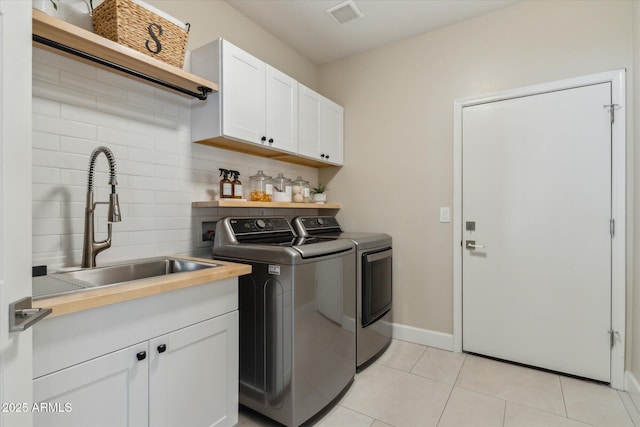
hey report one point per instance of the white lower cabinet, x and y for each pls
(193, 379)
(110, 390)
(170, 360)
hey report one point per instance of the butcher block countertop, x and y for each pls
(86, 299)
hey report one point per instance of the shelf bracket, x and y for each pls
(202, 95)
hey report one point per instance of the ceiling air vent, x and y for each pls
(344, 12)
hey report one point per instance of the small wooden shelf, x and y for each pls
(230, 203)
(264, 151)
(58, 36)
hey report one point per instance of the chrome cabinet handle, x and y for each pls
(471, 244)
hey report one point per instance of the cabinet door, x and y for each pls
(107, 391)
(243, 95)
(193, 378)
(309, 122)
(282, 110)
(332, 131)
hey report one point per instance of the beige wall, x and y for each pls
(211, 19)
(398, 103)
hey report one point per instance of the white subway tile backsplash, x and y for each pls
(45, 175)
(124, 83)
(63, 127)
(92, 86)
(121, 109)
(46, 209)
(136, 196)
(47, 90)
(56, 192)
(119, 135)
(45, 141)
(46, 59)
(46, 74)
(45, 107)
(48, 243)
(128, 167)
(78, 107)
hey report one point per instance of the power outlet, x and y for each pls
(208, 231)
(204, 231)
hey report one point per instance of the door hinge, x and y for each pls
(612, 108)
(612, 227)
(612, 336)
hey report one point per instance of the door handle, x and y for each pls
(471, 244)
(22, 315)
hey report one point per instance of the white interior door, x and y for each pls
(536, 194)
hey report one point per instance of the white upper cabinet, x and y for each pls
(256, 103)
(321, 127)
(243, 100)
(262, 111)
(282, 110)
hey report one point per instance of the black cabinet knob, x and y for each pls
(327, 157)
(322, 155)
(141, 355)
(270, 140)
(162, 348)
(263, 139)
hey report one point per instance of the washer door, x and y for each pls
(376, 285)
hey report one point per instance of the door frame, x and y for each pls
(16, 367)
(618, 202)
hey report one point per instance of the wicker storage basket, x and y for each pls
(135, 24)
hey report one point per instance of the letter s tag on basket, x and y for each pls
(155, 38)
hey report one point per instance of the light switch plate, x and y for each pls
(445, 214)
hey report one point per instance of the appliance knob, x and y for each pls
(260, 224)
(320, 221)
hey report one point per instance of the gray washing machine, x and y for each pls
(374, 283)
(297, 311)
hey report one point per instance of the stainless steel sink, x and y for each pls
(58, 283)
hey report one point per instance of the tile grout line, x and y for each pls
(504, 413)
(626, 408)
(418, 359)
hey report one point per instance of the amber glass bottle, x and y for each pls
(226, 187)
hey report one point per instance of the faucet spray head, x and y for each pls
(114, 208)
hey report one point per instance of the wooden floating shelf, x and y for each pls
(264, 151)
(60, 37)
(265, 205)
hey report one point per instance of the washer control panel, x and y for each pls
(318, 224)
(242, 226)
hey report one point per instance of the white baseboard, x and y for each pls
(423, 336)
(632, 386)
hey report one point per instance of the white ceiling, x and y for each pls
(305, 25)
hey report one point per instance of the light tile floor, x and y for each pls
(417, 386)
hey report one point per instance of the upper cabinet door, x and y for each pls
(332, 131)
(243, 95)
(321, 131)
(282, 110)
(309, 122)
